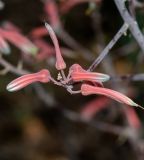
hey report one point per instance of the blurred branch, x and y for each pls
(135, 77)
(133, 26)
(102, 55)
(10, 68)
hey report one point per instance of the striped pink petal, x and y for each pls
(21, 82)
(94, 77)
(79, 74)
(88, 90)
(60, 64)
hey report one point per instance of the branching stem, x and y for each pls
(103, 54)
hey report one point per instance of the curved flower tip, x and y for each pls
(4, 47)
(31, 48)
(60, 64)
(79, 74)
(20, 41)
(21, 82)
(88, 90)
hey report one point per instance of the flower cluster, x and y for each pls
(91, 82)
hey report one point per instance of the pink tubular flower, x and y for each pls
(51, 10)
(79, 74)
(60, 64)
(132, 117)
(21, 82)
(20, 41)
(88, 90)
(93, 107)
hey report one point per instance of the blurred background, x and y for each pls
(45, 122)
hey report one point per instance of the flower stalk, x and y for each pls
(60, 64)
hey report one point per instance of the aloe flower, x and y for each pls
(93, 107)
(60, 64)
(51, 10)
(88, 90)
(79, 74)
(20, 41)
(21, 82)
(132, 117)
